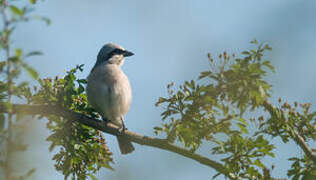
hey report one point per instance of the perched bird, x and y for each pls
(109, 90)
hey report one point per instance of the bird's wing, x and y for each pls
(98, 96)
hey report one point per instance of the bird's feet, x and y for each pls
(122, 129)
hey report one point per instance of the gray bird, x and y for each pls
(109, 90)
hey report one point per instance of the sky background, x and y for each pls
(170, 39)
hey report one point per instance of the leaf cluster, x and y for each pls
(82, 150)
(216, 109)
(12, 64)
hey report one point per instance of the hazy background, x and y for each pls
(170, 39)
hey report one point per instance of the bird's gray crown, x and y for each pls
(109, 50)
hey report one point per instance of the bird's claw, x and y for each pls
(121, 130)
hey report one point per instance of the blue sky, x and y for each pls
(170, 40)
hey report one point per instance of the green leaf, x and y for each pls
(267, 47)
(242, 128)
(161, 100)
(204, 74)
(245, 52)
(80, 89)
(83, 81)
(18, 52)
(243, 121)
(258, 163)
(267, 64)
(16, 10)
(33, 53)
(32, 72)
(33, 1)
(107, 165)
(216, 175)
(41, 18)
(157, 130)
(46, 20)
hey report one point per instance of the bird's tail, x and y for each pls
(125, 145)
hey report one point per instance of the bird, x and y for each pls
(109, 91)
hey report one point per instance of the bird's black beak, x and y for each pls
(127, 53)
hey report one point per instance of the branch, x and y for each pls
(114, 130)
(297, 137)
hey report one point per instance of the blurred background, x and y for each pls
(170, 40)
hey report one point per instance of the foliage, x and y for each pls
(83, 150)
(216, 109)
(11, 87)
(302, 168)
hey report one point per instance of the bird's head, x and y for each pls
(113, 54)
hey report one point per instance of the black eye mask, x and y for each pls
(116, 52)
(103, 57)
(121, 52)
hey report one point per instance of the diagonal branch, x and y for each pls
(297, 137)
(114, 130)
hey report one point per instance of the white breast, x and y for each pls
(109, 91)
